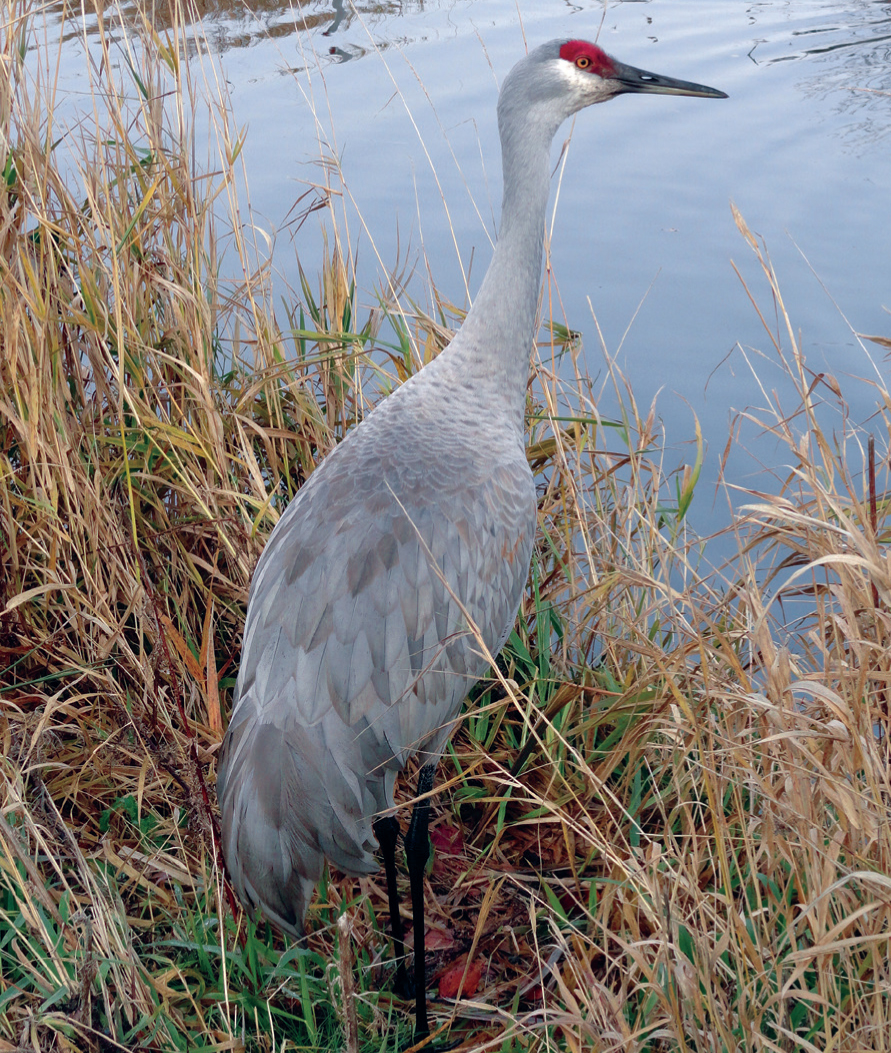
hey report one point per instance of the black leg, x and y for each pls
(386, 830)
(417, 852)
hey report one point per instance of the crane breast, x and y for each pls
(368, 593)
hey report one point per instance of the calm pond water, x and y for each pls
(404, 94)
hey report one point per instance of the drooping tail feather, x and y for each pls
(283, 813)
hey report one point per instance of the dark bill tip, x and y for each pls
(641, 81)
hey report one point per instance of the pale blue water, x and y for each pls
(801, 146)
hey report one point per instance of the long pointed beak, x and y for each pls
(631, 79)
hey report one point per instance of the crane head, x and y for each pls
(562, 77)
(595, 76)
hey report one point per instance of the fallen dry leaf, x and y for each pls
(450, 984)
(448, 840)
(438, 940)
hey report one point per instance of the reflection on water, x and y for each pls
(230, 24)
(863, 26)
(848, 54)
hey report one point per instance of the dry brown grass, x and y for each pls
(664, 824)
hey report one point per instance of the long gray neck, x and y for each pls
(492, 349)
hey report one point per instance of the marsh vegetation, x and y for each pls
(664, 820)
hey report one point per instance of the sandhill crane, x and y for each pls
(406, 550)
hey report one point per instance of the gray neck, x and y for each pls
(492, 349)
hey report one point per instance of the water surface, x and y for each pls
(643, 237)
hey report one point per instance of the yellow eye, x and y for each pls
(583, 62)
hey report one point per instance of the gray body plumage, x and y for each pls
(407, 547)
(359, 647)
